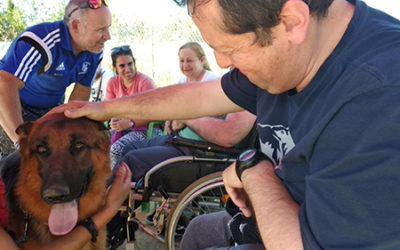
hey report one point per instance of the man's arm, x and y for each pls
(261, 193)
(183, 101)
(79, 93)
(224, 132)
(10, 105)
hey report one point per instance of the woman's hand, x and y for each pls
(175, 125)
(119, 189)
(120, 124)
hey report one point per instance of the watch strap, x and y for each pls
(259, 156)
(89, 225)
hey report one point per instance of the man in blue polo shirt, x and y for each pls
(45, 59)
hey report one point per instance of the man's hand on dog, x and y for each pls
(75, 109)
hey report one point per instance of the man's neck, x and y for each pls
(75, 47)
(325, 34)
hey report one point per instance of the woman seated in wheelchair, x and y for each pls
(128, 81)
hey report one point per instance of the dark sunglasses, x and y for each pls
(180, 3)
(124, 48)
(93, 4)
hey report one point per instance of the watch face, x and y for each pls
(247, 155)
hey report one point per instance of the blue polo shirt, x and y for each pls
(62, 67)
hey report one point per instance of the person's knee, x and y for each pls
(136, 163)
(195, 223)
(115, 148)
(208, 226)
(201, 224)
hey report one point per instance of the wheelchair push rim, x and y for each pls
(192, 202)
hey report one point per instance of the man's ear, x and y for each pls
(295, 16)
(75, 26)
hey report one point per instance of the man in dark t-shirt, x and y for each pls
(323, 79)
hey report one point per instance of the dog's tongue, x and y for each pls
(63, 218)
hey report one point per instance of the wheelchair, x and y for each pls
(183, 187)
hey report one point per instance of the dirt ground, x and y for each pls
(143, 240)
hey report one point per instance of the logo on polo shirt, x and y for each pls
(85, 68)
(61, 67)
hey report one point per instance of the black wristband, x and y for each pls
(248, 159)
(89, 225)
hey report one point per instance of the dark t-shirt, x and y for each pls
(336, 144)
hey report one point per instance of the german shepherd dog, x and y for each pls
(61, 172)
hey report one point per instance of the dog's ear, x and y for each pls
(24, 129)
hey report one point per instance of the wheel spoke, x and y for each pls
(201, 197)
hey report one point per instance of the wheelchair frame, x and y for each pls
(174, 203)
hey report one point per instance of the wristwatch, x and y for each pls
(248, 159)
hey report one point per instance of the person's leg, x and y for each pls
(117, 148)
(208, 231)
(6, 145)
(155, 141)
(28, 114)
(211, 232)
(143, 159)
(32, 114)
(141, 156)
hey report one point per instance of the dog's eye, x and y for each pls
(41, 149)
(78, 146)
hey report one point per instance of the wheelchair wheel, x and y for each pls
(206, 195)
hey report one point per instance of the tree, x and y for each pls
(11, 22)
(41, 11)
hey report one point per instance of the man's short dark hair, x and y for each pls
(258, 16)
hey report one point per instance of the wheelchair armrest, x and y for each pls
(207, 146)
(151, 126)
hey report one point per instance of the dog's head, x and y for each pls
(64, 168)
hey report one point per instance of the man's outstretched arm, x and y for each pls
(183, 101)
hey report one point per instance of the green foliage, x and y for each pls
(179, 29)
(11, 22)
(134, 29)
(40, 11)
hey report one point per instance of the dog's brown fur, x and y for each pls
(55, 149)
